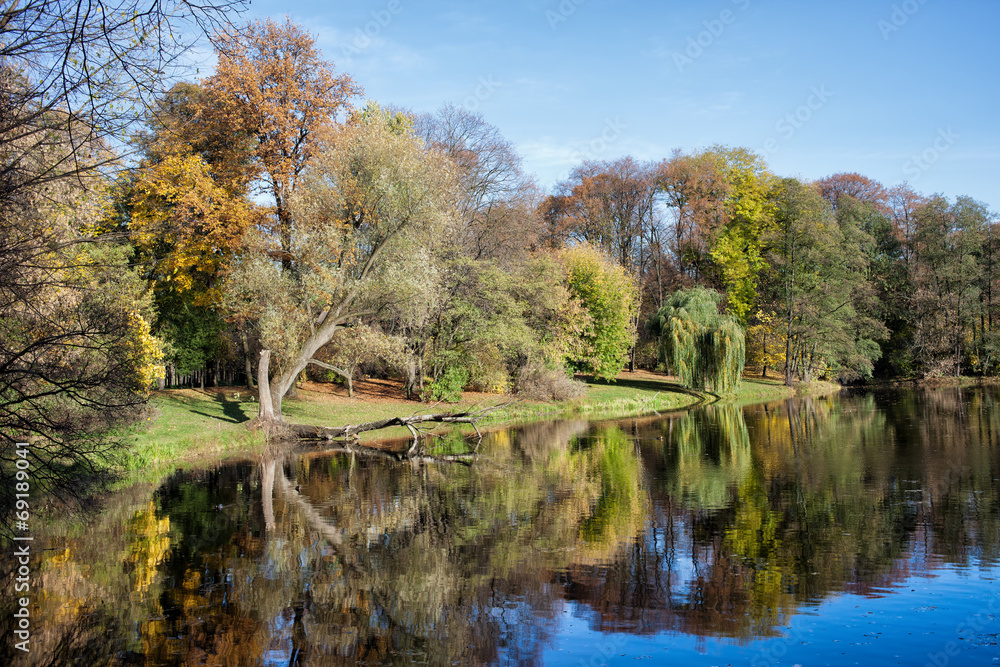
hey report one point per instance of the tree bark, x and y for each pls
(266, 494)
(266, 404)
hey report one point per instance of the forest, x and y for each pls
(268, 223)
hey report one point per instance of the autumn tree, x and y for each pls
(185, 207)
(369, 209)
(693, 189)
(852, 186)
(272, 84)
(76, 353)
(611, 297)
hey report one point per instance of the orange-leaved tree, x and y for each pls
(272, 83)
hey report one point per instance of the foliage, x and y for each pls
(76, 354)
(368, 212)
(737, 248)
(272, 84)
(539, 382)
(611, 297)
(821, 286)
(704, 348)
(448, 387)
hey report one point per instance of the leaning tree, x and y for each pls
(705, 348)
(368, 210)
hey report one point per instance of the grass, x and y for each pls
(193, 428)
(188, 428)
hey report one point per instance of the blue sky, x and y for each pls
(898, 90)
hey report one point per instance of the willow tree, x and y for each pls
(704, 347)
(369, 208)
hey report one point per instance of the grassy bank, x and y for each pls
(191, 428)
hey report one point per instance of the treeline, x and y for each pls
(274, 227)
(415, 246)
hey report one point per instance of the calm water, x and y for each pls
(852, 530)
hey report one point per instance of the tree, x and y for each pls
(820, 285)
(611, 297)
(736, 249)
(272, 84)
(356, 344)
(76, 355)
(185, 208)
(75, 351)
(497, 200)
(948, 248)
(74, 75)
(368, 212)
(705, 348)
(610, 205)
(694, 190)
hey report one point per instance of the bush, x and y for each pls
(447, 388)
(537, 382)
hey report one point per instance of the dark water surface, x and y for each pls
(854, 530)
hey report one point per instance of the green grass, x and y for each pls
(190, 428)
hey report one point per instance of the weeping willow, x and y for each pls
(705, 348)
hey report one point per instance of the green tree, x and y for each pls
(705, 348)
(611, 297)
(737, 247)
(947, 280)
(820, 284)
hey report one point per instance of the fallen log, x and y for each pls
(351, 431)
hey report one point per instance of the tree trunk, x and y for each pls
(246, 358)
(266, 405)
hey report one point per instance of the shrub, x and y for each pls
(448, 387)
(538, 382)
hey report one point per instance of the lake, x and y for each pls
(856, 529)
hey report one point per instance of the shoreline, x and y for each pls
(195, 428)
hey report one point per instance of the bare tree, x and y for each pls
(497, 200)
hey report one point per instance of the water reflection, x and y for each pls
(721, 523)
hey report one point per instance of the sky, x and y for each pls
(903, 90)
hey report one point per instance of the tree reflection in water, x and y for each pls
(723, 522)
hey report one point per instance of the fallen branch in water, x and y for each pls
(351, 431)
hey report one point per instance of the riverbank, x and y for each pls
(193, 428)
